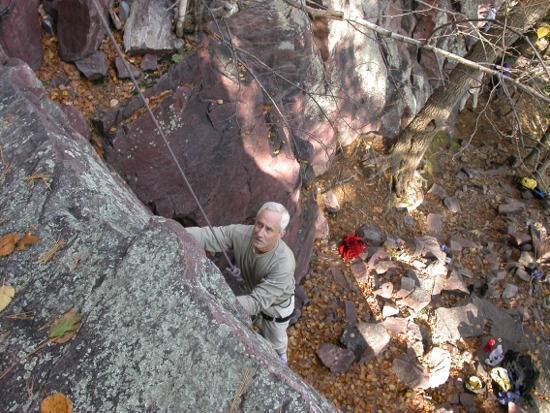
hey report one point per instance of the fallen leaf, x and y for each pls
(543, 31)
(8, 243)
(56, 403)
(65, 327)
(28, 239)
(6, 294)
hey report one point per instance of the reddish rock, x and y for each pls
(79, 28)
(22, 21)
(385, 290)
(149, 62)
(77, 121)
(360, 271)
(337, 359)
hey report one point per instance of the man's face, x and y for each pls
(267, 231)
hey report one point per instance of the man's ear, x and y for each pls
(283, 233)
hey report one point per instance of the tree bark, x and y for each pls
(539, 153)
(416, 138)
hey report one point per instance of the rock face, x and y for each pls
(160, 324)
(149, 28)
(23, 20)
(254, 132)
(79, 29)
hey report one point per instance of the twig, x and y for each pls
(48, 255)
(39, 176)
(243, 386)
(25, 315)
(451, 56)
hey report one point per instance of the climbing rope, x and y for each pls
(232, 268)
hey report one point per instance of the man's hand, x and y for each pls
(235, 273)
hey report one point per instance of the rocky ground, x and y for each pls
(421, 345)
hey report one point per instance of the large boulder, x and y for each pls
(161, 331)
(79, 28)
(149, 28)
(20, 31)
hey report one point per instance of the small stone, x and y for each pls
(511, 208)
(372, 234)
(428, 247)
(123, 11)
(359, 271)
(332, 204)
(520, 238)
(389, 310)
(352, 339)
(409, 372)
(337, 359)
(322, 229)
(527, 195)
(336, 273)
(395, 325)
(510, 291)
(438, 191)
(407, 287)
(452, 204)
(384, 291)
(122, 72)
(149, 62)
(522, 274)
(467, 400)
(453, 324)
(113, 103)
(351, 313)
(383, 267)
(453, 283)
(376, 337)
(526, 258)
(408, 220)
(418, 299)
(434, 223)
(94, 67)
(380, 254)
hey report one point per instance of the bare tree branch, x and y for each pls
(337, 15)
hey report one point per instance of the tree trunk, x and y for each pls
(416, 138)
(539, 153)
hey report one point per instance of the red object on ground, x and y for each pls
(489, 346)
(351, 246)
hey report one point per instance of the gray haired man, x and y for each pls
(267, 266)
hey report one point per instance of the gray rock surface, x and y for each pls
(94, 66)
(149, 28)
(122, 72)
(161, 329)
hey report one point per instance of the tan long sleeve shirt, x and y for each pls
(268, 277)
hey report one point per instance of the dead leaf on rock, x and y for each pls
(64, 328)
(8, 243)
(56, 403)
(6, 295)
(28, 239)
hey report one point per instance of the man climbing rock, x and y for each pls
(267, 267)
